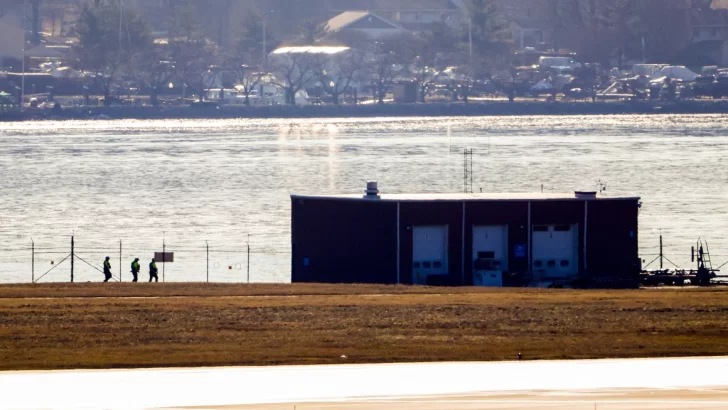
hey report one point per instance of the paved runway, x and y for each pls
(680, 384)
(648, 399)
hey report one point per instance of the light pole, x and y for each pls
(22, 79)
(265, 39)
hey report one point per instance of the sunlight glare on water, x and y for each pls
(185, 182)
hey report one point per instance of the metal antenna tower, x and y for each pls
(468, 170)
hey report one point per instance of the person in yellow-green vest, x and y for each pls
(107, 269)
(135, 269)
(153, 271)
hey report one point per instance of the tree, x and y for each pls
(156, 70)
(194, 58)
(310, 32)
(489, 31)
(601, 29)
(429, 51)
(664, 28)
(256, 41)
(387, 57)
(340, 70)
(35, 21)
(103, 49)
(294, 70)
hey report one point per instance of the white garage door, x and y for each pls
(555, 251)
(491, 242)
(429, 252)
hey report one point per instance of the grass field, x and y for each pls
(139, 325)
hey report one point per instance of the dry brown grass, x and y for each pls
(61, 327)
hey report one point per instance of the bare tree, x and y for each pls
(429, 53)
(340, 70)
(100, 50)
(387, 57)
(194, 57)
(247, 78)
(601, 29)
(154, 69)
(294, 70)
(195, 65)
(664, 27)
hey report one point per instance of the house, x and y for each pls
(577, 239)
(708, 42)
(365, 22)
(412, 15)
(531, 32)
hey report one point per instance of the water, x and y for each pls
(183, 183)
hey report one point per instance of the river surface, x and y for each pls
(182, 185)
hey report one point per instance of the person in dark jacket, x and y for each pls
(135, 269)
(153, 271)
(107, 269)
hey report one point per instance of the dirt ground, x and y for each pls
(153, 325)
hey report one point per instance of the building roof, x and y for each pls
(709, 17)
(309, 50)
(462, 197)
(395, 5)
(348, 18)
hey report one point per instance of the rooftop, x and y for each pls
(468, 197)
(309, 50)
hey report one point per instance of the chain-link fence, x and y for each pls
(202, 261)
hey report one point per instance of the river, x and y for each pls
(184, 185)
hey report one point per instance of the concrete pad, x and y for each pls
(681, 383)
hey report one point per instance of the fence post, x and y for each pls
(207, 247)
(32, 261)
(119, 260)
(248, 258)
(72, 250)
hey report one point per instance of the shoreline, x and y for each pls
(473, 109)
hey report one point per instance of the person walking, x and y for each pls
(153, 271)
(135, 269)
(107, 269)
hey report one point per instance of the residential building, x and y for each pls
(365, 22)
(413, 15)
(708, 43)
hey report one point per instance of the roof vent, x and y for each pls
(372, 190)
(586, 194)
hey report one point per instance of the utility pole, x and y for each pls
(248, 258)
(660, 251)
(32, 263)
(72, 251)
(470, 39)
(119, 260)
(207, 246)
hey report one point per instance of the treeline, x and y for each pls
(117, 49)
